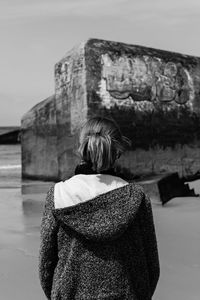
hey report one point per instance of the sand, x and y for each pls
(178, 233)
(178, 227)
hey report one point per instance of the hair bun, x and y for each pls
(94, 134)
(101, 143)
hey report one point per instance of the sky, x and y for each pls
(36, 34)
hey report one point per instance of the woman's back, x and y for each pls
(97, 232)
(106, 247)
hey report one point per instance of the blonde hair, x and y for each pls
(101, 143)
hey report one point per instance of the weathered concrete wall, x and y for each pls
(153, 95)
(71, 107)
(38, 139)
(184, 159)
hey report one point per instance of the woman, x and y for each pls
(97, 233)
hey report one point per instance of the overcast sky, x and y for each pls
(35, 34)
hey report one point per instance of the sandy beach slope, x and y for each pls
(178, 232)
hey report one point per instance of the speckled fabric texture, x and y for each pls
(104, 248)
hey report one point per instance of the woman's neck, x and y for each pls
(86, 168)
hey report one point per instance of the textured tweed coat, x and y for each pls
(103, 248)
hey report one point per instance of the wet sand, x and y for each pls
(20, 217)
(177, 227)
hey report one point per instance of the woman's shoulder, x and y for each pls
(136, 187)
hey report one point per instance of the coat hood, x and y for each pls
(104, 217)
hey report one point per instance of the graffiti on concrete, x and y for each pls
(62, 75)
(145, 78)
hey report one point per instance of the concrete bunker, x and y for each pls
(154, 95)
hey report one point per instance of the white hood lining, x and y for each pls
(81, 188)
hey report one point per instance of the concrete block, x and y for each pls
(39, 142)
(154, 96)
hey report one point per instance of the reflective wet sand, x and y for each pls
(178, 232)
(20, 217)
